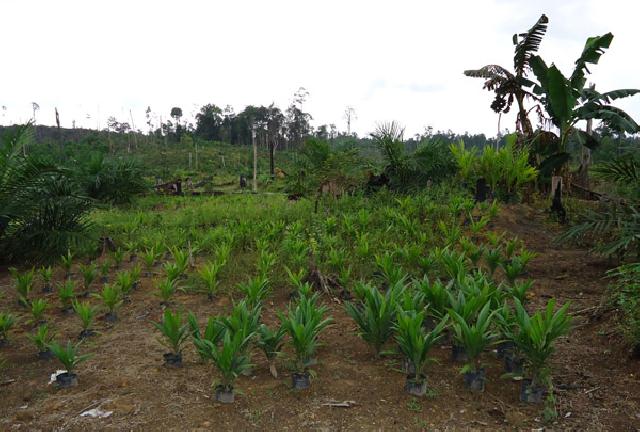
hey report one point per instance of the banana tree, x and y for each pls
(509, 86)
(567, 101)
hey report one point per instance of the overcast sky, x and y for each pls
(390, 60)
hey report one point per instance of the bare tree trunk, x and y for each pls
(255, 159)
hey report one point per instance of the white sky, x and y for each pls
(391, 60)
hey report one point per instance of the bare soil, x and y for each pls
(598, 386)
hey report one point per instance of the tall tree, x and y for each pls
(509, 86)
(349, 115)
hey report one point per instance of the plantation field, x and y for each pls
(348, 248)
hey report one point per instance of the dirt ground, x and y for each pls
(598, 386)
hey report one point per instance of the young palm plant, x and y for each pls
(230, 359)
(209, 275)
(474, 337)
(66, 294)
(118, 257)
(24, 284)
(175, 334)
(87, 314)
(165, 290)
(7, 321)
(414, 342)
(149, 257)
(89, 273)
(213, 332)
(46, 273)
(38, 308)
(375, 315)
(255, 290)
(535, 337)
(67, 263)
(270, 341)
(69, 357)
(41, 338)
(111, 298)
(304, 322)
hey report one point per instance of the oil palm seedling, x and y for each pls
(209, 275)
(41, 338)
(255, 290)
(506, 327)
(7, 321)
(135, 271)
(388, 271)
(165, 290)
(87, 313)
(453, 263)
(70, 358)
(173, 271)
(213, 331)
(231, 360)
(38, 308)
(243, 318)
(117, 257)
(124, 282)
(375, 314)
(181, 259)
(89, 273)
(493, 258)
(471, 250)
(24, 284)
(535, 337)
(304, 321)
(519, 290)
(436, 295)
(474, 336)
(67, 263)
(105, 267)
(66, 294)
(466, 306)
(111, 298)
(513, 269)
(150, 256)
(175, 334)
(414, 342)
(46, 274)
(270, 341)
(266, 262)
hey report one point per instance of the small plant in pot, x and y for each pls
(213, 332)
(415, 342)
(165, 290)
(243, 319)
(135, 273)
(69, 357)
(124, 283)
(209, 275)
(118, 257)
(230, 359)
(67, 263)
(172, 271)
(175, 334)
(38, 308)
(46, 274)
(7, 321)
(493, 258)
(89, 273)
(466, 306)
(255, 291)
(24, 284)
(105, 267)
(506, 348)
(304, 322)
(41, 338)
(474, 337)
(86, 313)
(149, 257)
(375, 315)
(270, 342)
(535, 337)
(66, 294)
(111, 297)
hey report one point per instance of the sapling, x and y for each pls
(474, 337)
(67, 262)
(304, 322)
(172, 271)
(209, 275)
(535, 337)
(270, 342)
(38, 308)
(375, 315)
(7, 321)
(86, 313)
(135, 273)
(89, 273)
(244, 318)
(118, 257)
(46, 273)
(66, 294)
(230, 359)
(519, 290)
(435, 294)
(266, 262)
(493, 258)
(105, 267)
(124, 283)
(149, 257)
(414, 342)
(175, 334)
(41, 338)
(165, 291)
(181, 259)
(513, 269)
(69, 357)
(111, 298)
(213, 332)
(255, 290)
(388, 270)
(24, 284)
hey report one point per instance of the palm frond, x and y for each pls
(528, 43)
